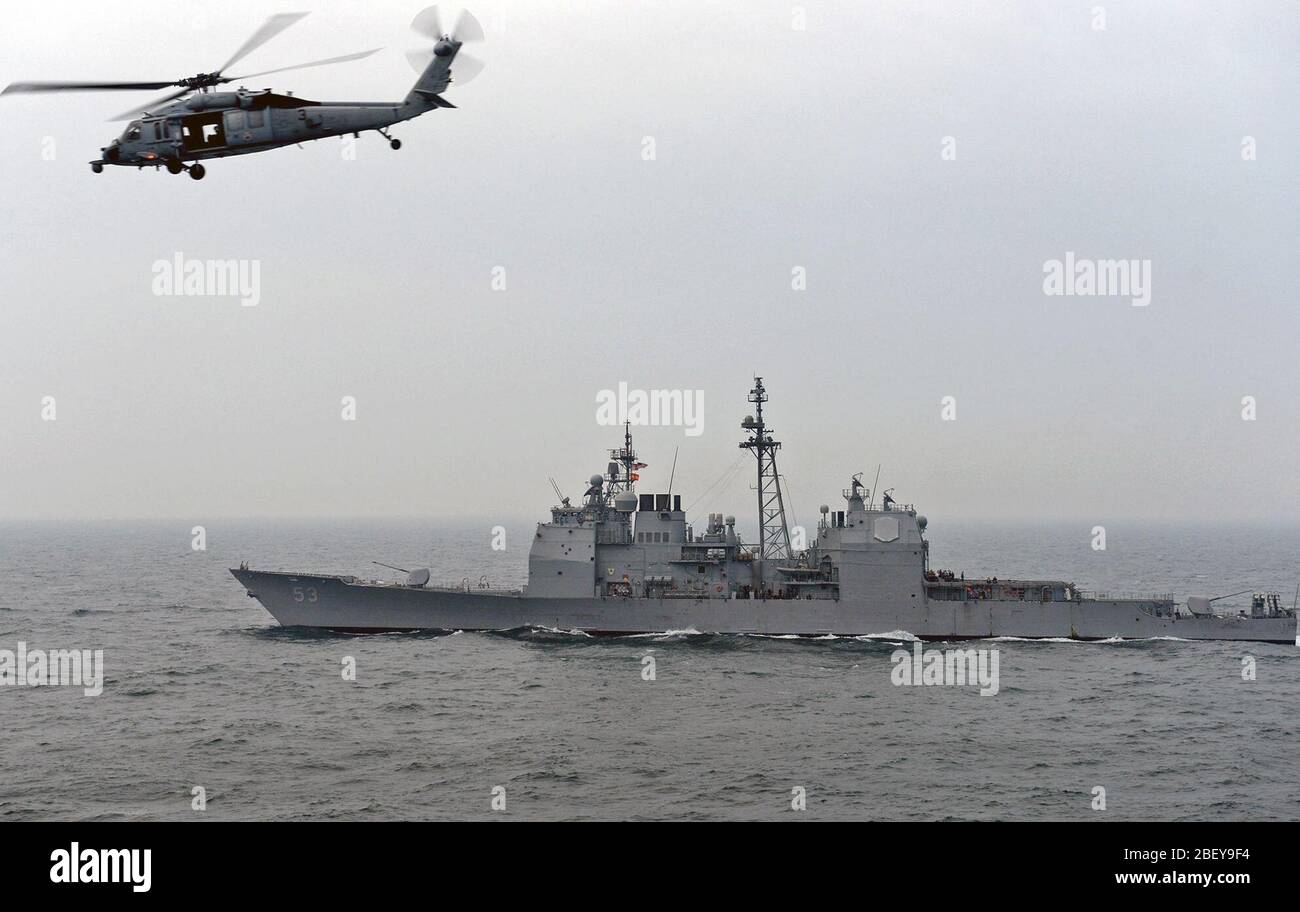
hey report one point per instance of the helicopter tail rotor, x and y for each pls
(459, 67)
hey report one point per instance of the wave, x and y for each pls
(665, 634)
(893, 635)
(1106, 641)
(560, 630)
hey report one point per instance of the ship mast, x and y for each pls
(773, 533)
(627, 458)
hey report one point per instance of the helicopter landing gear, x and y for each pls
(394, 144)
(174, 166)
(97, 167)
(197, 172)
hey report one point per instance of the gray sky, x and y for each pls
(774, 148)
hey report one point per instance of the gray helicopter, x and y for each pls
(170, 131)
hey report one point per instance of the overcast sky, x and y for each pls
(774, 148)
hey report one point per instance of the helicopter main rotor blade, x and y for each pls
(303, 66)
(151, 106)
(270, 28)
(83, 86)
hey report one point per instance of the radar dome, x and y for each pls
(597, 480)
(921, 522)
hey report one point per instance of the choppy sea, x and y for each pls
(203, 691)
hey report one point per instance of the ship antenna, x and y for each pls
(773, 532)
(871, 505)
(628, 457)
(671, 476)
(558, 493)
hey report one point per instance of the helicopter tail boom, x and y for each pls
(436, 76)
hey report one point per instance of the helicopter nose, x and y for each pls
(112, 152)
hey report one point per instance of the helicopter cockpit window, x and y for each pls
(132, 132)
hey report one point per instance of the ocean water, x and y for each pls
(203, 690)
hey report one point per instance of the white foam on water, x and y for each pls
(690, 631)
(573, 632)
(890, 635)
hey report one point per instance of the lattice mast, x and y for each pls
(624, 465)
(773, 533)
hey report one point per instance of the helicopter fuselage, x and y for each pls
(220, 124)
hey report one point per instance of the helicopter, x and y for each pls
(174, 131)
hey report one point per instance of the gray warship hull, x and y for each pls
(349, 604)
(624, 562)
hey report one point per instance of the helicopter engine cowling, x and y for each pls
(206, 100)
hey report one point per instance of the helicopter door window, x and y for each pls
(234, 121)
(256, 119)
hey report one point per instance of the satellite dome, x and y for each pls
(921, 521)
(597, 480)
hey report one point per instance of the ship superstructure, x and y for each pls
(622, 562)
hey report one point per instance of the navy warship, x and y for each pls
(623, 562)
